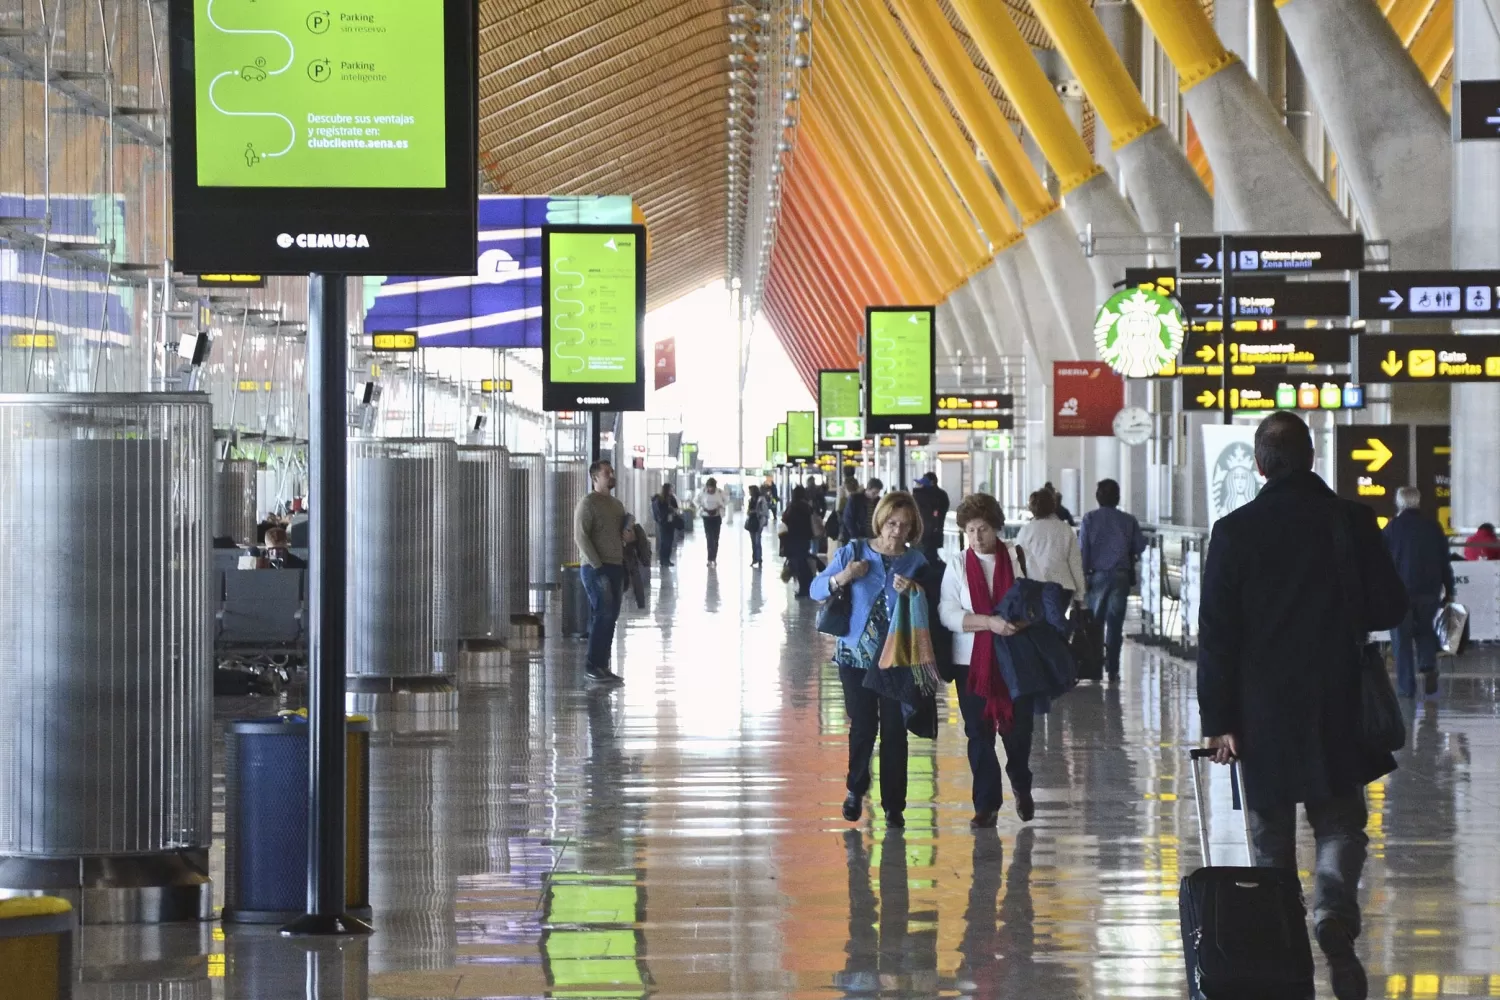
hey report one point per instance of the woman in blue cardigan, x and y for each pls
(874, 570)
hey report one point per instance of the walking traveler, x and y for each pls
(933, 501)
(757, 512)
(711, 503)
(874, 571)
(1110, 541)
(1063, 514)
(859, 509)
(1483, 544)
(1420, 550)
(847, 493)
(1293, 582)
(1050, 546)
(796, 540)
(600, 533)
(668, 517)
(973, 584)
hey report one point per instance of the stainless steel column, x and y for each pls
(518, 538)
(106, 652)
(570, 481)
(482, 510)
(403, 616)
(535, 516)
(236, 492)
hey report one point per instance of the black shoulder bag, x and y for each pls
(834, 615)
(1382, 726)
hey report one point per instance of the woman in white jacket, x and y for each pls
(1051, 546)
(973, 584)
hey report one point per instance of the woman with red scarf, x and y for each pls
(973, 584)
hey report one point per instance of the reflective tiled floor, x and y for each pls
(681, 837)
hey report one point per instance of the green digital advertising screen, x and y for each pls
(801, 436)
(292, 95)
(839, 414)
(592, 317)
(780, 450)
(902, 386)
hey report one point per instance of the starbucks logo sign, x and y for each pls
(1138, 331)
(1235, 479)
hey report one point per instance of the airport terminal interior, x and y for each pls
(476, 476)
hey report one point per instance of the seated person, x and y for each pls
(278, 552)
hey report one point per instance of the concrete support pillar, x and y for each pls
(1387, 126)
(1250, 28)
(959, 328)
(1162, 184)
(1261, 179)
(1476, 243)
(1066, 276)
(1097, 202)
(1122, 26)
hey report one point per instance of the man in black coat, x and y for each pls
(932, 501)
(1278, 681)
(1419, 548)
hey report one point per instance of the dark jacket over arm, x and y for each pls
(1277, 649)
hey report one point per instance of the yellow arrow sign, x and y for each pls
(1391, 365)
(1206, 353)
(1376, 456)
(1208, 399)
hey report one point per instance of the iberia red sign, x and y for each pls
(666, 362)
(1086, 395)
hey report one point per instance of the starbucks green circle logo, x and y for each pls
(1138, 331)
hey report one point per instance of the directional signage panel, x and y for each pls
(976, 413)
(965, 404)
(1425, 294)
(1267, 298)
(1435, 471)
(1374, 461)
(1269, 389)
(1261, 253)
(1478, 109)
(1433, 357)
(1278, 347)
(839, 419)
(991, 420)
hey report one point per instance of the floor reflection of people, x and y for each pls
(883, 953)
(603, 845)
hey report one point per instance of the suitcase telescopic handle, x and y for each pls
(1237, 785)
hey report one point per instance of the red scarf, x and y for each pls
(984, 675)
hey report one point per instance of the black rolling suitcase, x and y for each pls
(1244, 930)
(1086, 643)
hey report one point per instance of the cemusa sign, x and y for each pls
(314, 241)
(1138, 331)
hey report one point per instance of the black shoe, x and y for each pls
(853, 807)
(604, 677)
(894, 819)
(1344, 969)
(1429, 682)
(985, 819)
(1025, 806)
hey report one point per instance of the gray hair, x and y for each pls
(1408, 498)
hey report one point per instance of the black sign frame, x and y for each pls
(823, 443)
(263, 230)
(1340, 252)
(1375, 357)
(625, 397)
(1478, 109)
(1391, 294)
(916, 423)
(1349, 469)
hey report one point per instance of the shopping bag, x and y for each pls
(1449, 624)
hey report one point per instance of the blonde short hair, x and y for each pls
(902, 501)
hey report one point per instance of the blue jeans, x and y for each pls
(1416, 631)
(666, 533)
(1107, 594)
(1338, 826)
(755, 548)
(604, 587)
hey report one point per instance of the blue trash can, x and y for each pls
(265, 819)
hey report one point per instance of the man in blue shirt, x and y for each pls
(1111, 541)
(1420, 551)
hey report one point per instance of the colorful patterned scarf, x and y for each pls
(908, 642)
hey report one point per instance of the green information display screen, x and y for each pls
(298, 96)
(593, 316)
(778, 454)
(801, 441)
(900, 363)
(839, 414)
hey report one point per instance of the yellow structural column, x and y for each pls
(873, 213)
(865, 138)
(1081, 39)
(930, 184)
(1015, 65)
(946, 57)
(1406, 16)
(915, 89)
(1432, 48)
(1184, 31)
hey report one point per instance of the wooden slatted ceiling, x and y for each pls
(615, 97)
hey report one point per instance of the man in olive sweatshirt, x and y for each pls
(599, 530)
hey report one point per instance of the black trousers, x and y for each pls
(871, 715)
(711, 526)
(983, 761)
